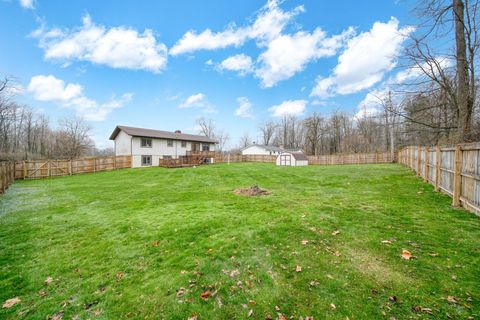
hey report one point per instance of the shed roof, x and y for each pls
(297, 155)
(151, 133)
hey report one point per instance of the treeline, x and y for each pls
(432, 99)
(25, 134)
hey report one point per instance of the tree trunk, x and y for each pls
(465, 107)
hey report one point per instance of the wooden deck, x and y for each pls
(191, 159)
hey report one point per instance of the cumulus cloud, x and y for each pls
(288, 108)
(27, 4)
(269, 23)
(244, 108)
(199, 101)
(51, 89)
(116, 47)
(240, 63)
(365, 60)
(287, 55)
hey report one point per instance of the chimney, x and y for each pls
(178, 131)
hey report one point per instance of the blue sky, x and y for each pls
(163, 64)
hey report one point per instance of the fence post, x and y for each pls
(438, 165)
(94, 164)
(70, 167)
(419, 161)
(24, 170)
(457, 179)
(425, 168)
(114, 163)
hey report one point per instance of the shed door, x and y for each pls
(286, 160)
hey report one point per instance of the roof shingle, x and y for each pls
(150, 133)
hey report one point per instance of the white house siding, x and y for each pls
(256, 150)
(123, 144)
(159, 149)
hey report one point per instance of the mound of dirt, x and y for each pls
(252, 191)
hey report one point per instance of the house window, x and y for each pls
(146, 160)
(184, 144)
(169, 143)
(205, 147)
(146, 143)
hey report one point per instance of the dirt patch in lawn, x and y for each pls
(252, 191)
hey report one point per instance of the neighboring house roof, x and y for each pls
(297, 155)
(268, 148)
(150, 133)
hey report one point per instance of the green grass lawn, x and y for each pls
(146, 243)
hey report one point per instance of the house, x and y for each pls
(293, 159)
(148, 146)
(263, 150)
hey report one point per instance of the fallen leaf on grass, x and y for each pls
(119, 276)
(304, 242)
(193, 317)
(155, 243)
(48, 281)
(392, 298)
(298, 268)
(386, 241)
(433, 254)
(422, 309)
(309, 318)
(42, 293)
(407, 255)
(181, 292)
(334, 233)
(97, 312)
(205, 295)
(281, 316)
(334, 307)
(11, 302)
(250, 313)
(314, 283)
(452, 299)
(58, 315)
(277, 308)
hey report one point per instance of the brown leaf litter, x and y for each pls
(252, 191)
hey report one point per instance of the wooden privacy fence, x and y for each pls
(356, 158)
(7, 175)
(453, 170)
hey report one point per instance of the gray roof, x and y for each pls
(268, 148)
(150, 133)
(298, 155)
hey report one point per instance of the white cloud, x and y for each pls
(288, 108)
(240, 63)
(370, 105)
(269, 23)
(288, 54)
(198, 100)
(51, 89)
(367, 57)
(27, 4)
(116, 47)
(244, 108)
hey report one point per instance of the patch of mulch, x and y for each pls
(252, 191)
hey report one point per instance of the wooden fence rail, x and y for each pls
(452, 170)
(356, 158)
(36, 169)
(7, 175)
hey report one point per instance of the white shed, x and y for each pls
(292, 159)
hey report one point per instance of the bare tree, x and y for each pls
(458, 85)
(245, 140)
(206, 127)
(73, 138)
(268, 130)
